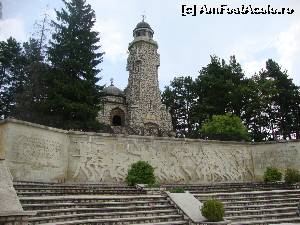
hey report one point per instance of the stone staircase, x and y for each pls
(94, 204)
(258, 207)
(53, 189)
(245, 203)
(232, 187)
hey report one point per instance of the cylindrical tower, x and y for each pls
(146, 113)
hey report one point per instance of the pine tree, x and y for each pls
(220, 89)
(179, 98)
(12, 75)
(283, 100)
(73, 93)
(30, 101)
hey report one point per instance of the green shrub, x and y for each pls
(177, 190)
(226, 127)
(213, 210)
(291, 176)
(272, 174)
(140, 172)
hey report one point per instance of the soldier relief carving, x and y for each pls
(109, 162)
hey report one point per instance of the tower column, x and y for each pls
(146, 113)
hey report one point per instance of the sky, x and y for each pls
(185, 43)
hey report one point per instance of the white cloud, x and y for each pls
(252, 67)
(12, 27)
(288, 46)
(112, 40)
(284, 47)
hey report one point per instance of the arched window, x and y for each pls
(117, 116)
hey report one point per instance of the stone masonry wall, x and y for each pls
(34, 152)
(39, 153)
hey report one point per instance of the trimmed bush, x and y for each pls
(291, 176)
(272, 174)
(140, 172)
(213, 210)
(177, 190)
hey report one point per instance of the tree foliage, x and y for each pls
(268, 103)
(73, 92)
(12, 79)
(54, 85)
(226, 127)
(180, 97)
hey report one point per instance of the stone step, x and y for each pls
(103, 215)
(80, 192)
(262, 202)
(232, 184)
(71, 186)
(127, 220)
(225, 190)
(165, 223)
(89, 198)
(37, 183)
(260, 211)
(261, 217)
(269, 221)
(73, 189)
(233, 187)
(250, 193)
(93, 204)
(250, 198)
(261, 206)
(68, 211)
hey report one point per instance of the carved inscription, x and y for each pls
(36, 151)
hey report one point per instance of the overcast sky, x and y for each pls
(185, 43)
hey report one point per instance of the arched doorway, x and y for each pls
(117, 116)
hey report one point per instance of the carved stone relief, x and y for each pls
(109, 161)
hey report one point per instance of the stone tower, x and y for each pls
(146, 113)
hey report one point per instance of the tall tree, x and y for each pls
(220, 89)
(284, 99)
(12, 75)
(73, 93)
(179, 98)
(29, 102)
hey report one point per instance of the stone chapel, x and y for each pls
(138, 110)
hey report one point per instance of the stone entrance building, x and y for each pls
(138, 109)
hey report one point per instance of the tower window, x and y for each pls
(143, 33)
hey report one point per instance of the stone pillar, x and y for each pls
(11, 211)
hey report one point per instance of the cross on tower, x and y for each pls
(111, 81)
(143, 17)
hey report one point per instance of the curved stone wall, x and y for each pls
(38, 153)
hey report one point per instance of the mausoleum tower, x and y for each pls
(146, 113)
